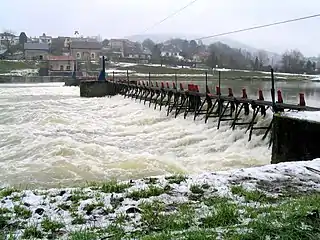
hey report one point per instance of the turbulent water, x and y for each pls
(51, 136)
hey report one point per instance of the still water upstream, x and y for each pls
(50, 136)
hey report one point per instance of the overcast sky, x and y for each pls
(118, 18)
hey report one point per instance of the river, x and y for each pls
(49, 136)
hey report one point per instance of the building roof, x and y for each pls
(36, 46)
(61, 58)
(85, 45)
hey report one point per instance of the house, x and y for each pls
(36, 51)
(61, 64)
(45, 39)
(8, 39)
(133, 53)
(111, 54)
(85, 50)
(68, 40)
(200, 57)
(170, 51)
(146, 54)
(121, 45)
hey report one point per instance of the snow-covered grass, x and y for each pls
(13, 67)
(8, 66)
(21, 72)
(304, 115)
(165, 71)
(275, 201)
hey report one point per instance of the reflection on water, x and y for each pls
(290, 89)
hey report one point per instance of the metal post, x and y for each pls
(113, 76)
(206, 82)
(176, 80)
(149, 79)
(128, 76)
(273, 91)
(219, 83)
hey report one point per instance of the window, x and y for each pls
(51, 67)
(92, 55)
(41, 57)
(78, 55)
(61, 67)
(68, 68)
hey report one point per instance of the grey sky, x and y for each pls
(118, 18)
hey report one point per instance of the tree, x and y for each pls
(212, 60)
(8, 41)
(228, 57)
(293, 62)
(105, 42)
(193, 47)
(23, 38)
(156, 53)
(314, 66)
(185, 48)
(148, 43)
(256, 65)
(263, 58)
(309, 68)
(200, 43)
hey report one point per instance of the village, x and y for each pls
(64, 55)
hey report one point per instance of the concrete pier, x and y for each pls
(97, 88)
(295, 137)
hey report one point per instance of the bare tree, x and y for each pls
(263, 57)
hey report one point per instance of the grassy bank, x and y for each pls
(231, 207)
(7, 66)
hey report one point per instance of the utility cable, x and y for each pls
(260, 26)
(171, 15)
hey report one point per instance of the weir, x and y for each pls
(191, 101)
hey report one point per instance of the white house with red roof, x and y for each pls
(61, 63)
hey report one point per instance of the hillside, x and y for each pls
(232, 43)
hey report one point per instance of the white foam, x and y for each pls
(48, 134)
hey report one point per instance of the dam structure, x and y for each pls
(189, 100)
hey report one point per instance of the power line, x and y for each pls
(171, 15)
(260, 26)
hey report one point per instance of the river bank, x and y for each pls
(135, 70)
(251, 203)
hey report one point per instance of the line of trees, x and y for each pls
(224, 56)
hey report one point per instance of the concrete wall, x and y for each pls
(97, 89)
(294, 139)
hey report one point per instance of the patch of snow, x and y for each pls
(31, 199)
(304, 115)
(21, 72)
